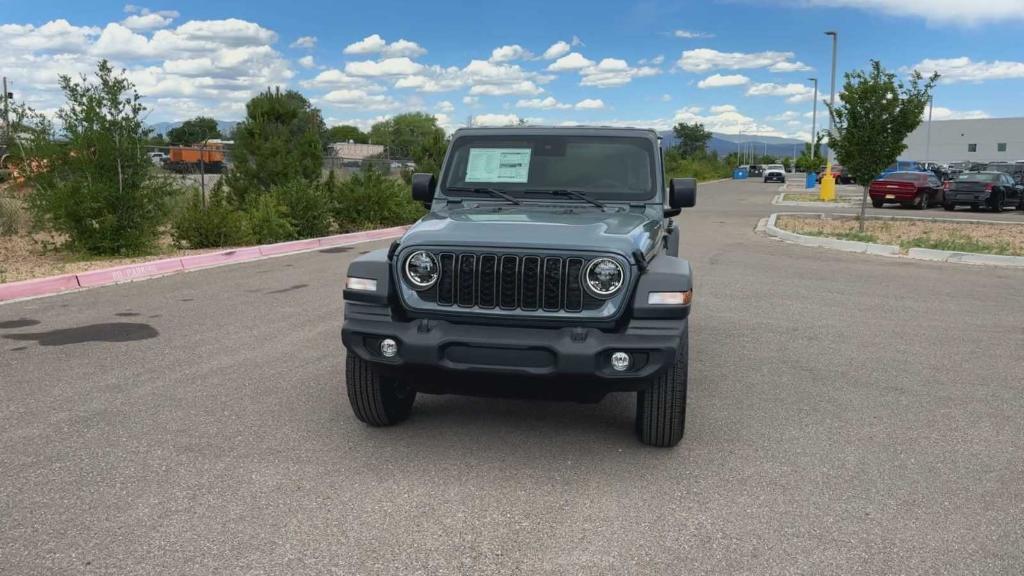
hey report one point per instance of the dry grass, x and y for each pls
(789, 197)
(1007, 239)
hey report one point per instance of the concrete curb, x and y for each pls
(143, 271)
(926, 254)
(777, 200)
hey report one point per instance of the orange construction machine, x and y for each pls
(202, 157)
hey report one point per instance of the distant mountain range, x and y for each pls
(226, 127)
(725, 144)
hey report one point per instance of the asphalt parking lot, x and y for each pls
(847, 414)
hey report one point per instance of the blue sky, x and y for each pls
(735, 65)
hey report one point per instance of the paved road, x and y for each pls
(848, 414)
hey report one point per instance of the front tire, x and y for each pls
(661, 409)
(377, 399)
(921, 202)
(949, 207)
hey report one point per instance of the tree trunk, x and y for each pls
(863, 207)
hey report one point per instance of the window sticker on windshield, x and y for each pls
(498, 165)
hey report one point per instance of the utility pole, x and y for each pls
(7, 116)
(928, 140)
(828, 183)
(814, 116)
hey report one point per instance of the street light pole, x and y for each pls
(828, 182)
(814, 117)
(928, 138)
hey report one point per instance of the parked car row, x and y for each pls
(990, 189)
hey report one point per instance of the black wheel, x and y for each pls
(377, 399)
(921, 202)
(949, 206)
(975, 207)
(877, 202)
(661, 409)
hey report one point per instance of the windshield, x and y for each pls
(978, 177)
(606, 167)
(778, 167)
(905, 176)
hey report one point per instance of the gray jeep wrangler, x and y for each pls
(548, 265)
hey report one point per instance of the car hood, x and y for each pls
(553, 227)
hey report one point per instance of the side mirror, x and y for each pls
(682, 193)
(423, 186)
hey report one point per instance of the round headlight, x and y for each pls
(421, 270)
(603, 277)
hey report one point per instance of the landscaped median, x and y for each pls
(151, 269)
(938, 239)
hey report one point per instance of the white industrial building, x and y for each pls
(979, 140)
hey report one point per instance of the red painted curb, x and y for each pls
(37, 286)
(286, 247)
(129, 272)
(217, 258)
(119, 274)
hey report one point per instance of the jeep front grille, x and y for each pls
(511, 282)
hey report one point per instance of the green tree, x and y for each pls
(344, 133)
(96, 186)
(875, 115)
(194, 131)
(279, 141)
(693, 139)
(406, 135)
(810, 159)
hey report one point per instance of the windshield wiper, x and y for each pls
(571, 193)
(491, 191)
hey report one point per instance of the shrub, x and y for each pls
(267, 222)
(306, 207)
(12, 217)
(699, 167)
(96, 185)
(369, 199)
(214, 225)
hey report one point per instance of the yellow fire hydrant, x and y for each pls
(828, 185)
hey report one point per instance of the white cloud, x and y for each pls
(470, 100)
(719, 81)
(706, 59)
(689, 34)
(726, 119)
(590, 104)
(548, 103)
(666, 97)
(656, 61)
(229, 32)
(557, 50)
(953, 12)
(526, 87)
(509, 53)
(150, 20)
(573, 61)
(787, 116)
(722, 109)
(789, 67)
(387, 67)
(117, 41)
(614, 72)
(375, 44)
(793, 92)
(942, 113)
(335, 78)
(445, 106)
(964, 69)
(495, 120)
(345, 98)
(53, 37)
(307, 42)
(307, 62)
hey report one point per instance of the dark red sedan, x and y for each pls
(911, 189)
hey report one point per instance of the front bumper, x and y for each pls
(888, 196)
(774, 178)
(574, 352)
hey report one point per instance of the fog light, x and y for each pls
(620, 361)
(388, 348)
(361, 284)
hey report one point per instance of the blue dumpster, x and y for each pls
(739, 174)
(812, 180)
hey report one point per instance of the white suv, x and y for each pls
(775, 173)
